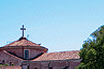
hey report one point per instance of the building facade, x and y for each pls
(29, 55)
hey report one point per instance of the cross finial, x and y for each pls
(23, 29)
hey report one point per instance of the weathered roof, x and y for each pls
(22, 42)
(59, 56)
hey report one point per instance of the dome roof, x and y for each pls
(23, 41)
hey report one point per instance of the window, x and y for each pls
(26, 54)
(3, 62)
(50, 68)
(11, 64)
(66, 67)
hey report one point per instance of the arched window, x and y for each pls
(26, 54)
(3, 62)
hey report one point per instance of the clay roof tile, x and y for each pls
(59, 56)
(22, 42)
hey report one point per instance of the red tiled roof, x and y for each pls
(59, 56)
(22, 42)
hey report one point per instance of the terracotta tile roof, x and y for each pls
(22, 42)
(59, 56)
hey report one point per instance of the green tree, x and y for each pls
(92, 52)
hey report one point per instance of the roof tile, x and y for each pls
(59, 56)
(22, 42)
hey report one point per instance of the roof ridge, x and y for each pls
(65, 51)
(22, 38)
(24, 43)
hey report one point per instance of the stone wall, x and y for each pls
(19, 52)
(74, 64)
(7, 58)
(57, 64)
(34, 53)
(10, 67)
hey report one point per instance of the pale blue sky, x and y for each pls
(59, 25)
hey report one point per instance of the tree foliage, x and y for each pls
(92, 52)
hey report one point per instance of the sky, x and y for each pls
(59, 25)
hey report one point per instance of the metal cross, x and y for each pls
(23, 29)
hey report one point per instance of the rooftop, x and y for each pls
(59, 56)
(23, 41)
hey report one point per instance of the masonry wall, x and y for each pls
(74, 64)
(34, 53)
(16, 51)
(7, 58)
(20, 52)
(10, 67)
(58, 64)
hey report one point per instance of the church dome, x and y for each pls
(23, 41)
(25, 49)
